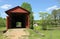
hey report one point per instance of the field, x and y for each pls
(48, 34)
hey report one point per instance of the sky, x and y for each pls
(37, 6)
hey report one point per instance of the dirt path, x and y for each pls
(16, 34)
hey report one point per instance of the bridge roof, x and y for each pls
(17, 9)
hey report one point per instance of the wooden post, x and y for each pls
(27, 21)
(8, 22)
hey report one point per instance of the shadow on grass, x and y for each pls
(3, 31)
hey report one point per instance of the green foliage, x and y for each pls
(27, 6)
(2, 22)
(50, 20)
(37, 28)
(43, 16)
(18, 24)
(31, 20)
(56, 17)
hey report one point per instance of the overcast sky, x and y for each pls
(37, 6)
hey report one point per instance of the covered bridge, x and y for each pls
(17, 14)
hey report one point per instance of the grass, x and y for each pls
(49, 34)
(1, 36)
(1, 33)
(2, 28)
(33, 35)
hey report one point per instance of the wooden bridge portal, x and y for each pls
(17, 14)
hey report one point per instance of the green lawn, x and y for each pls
(49, 34)
(2, 28)
(1, 33)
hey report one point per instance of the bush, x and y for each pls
(37, 28)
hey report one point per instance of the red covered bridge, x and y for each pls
(17, 14)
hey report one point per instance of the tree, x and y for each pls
(49, 20)
(56, 16)
(54, 13)
(43, 16)
(27, 6)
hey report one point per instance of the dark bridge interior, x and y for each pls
(18, 18)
